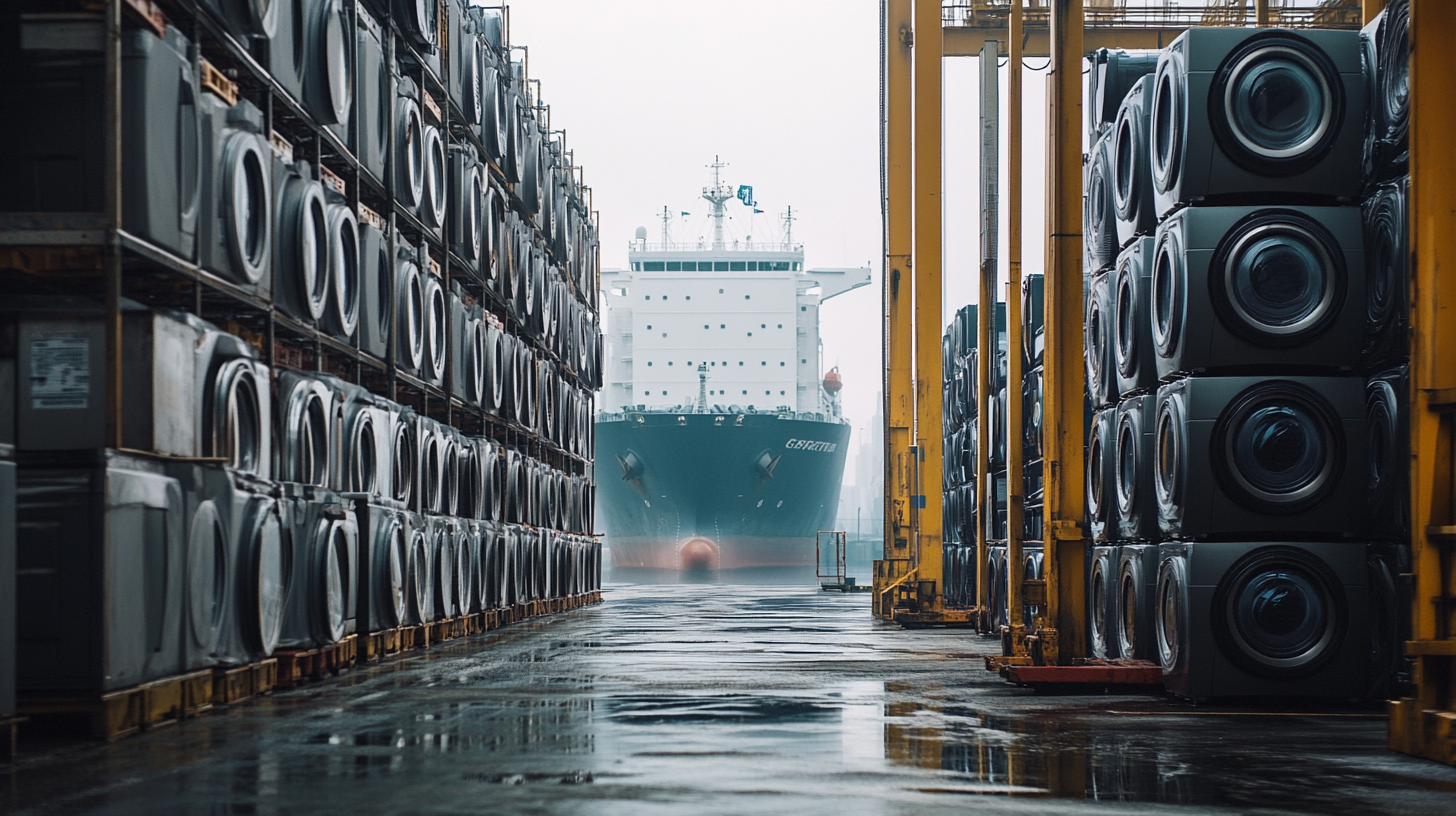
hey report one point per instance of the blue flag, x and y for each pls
(687, 213)
(756, 211)
(745, 194)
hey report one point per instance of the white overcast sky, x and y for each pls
(786, 92)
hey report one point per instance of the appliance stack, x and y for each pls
(339, 401)
(1245, 352)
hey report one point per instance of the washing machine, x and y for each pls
(513, 484)
(409, 145)
(1385, 51)
(245, 20)
(489, 583)
(1101, 479)
(1099, 212)
(436, 337)
(328, 80)
(1097, 343)
(1135, 511)
(1387, 490)
(996, 427)
(465, 62)
(467, 348)
(364, 441)
(997, 573)
(288, 47)
(322, 543)
(474, 534)
(1135, 596)
(449, 470)
(1245, 456)
(1102, 602)
(1132, 176)
(1033, 319)
(470, 503)
(409, 312)
(467, 188)
(1264, 618)
(376, 286)
(466, 548)
(1112, 74)
(233, 402)
(373, 96)
(1132, 330)
(1258, 289)
(341, 307)
(1033, 389)
(308, 426)
(90, 624)
(403, 452)
(494, 118)
(492, 480)
(161, 164)
(383, 564)
(1248, 112)
(532, 171)
(493, 208)
(1387, 276)
(514, 168)
(1033, 569)
(444, 560)
(419, 575)
(301, 247)
(419, 24)
(1390, 619)
(436, 179)
(235, 221)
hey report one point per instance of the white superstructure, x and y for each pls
(749, 312)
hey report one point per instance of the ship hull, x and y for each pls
(717, 492)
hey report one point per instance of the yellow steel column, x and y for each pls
(925, 266)
(898, 214)
(1063, 635)
(1014, 644)
(1370, 8)
(985, 358)
(1426, 725)
(1261, 13)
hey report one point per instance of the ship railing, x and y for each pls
(705, 246)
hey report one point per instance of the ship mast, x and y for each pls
(716, 195)
(789, 220)
(702, 389)
(666, 217)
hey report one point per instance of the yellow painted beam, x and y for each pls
(966, 41)
(1065, 634)
(985, 358)
(899, 234)
(1426, 725)
(926, 267)
(1369, 9)
(1016, 569)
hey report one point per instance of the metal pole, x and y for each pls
(1369, 9)
(1014, 643)
(899, 233)
(111, 135)
(926, 266)
(1261, 13)
(1064, 636)
(985, 328)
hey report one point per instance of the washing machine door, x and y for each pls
(391, 554)
(410, 337)
(333, 552)
(410, 142)
(1278, 279)
(1172, 614)
(1280, 101)
(265, 574)
(1279, 612)
(304, 230)
(475, 357)
(234, 410)
(436, 178)
(342, 308)
(1127, 469)
(1130, 583)
(332, 69)
(464, 590)
(361, 452)
(493, 104)
(246, 205)
(1170, 454)
(1170, 120)
(308, 434)
(207, 578)
(435, 337)
(443, 556)
(1278, 448)
(403, 461)
(419, 575)
(1099, 591)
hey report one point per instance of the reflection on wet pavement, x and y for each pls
(715, 699)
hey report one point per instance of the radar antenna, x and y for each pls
(716, 195)
(666, 218)
(789, 219)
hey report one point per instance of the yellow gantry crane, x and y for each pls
(908, 584)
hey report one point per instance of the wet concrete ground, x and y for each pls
(720, 699)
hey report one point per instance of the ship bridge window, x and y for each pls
(781, 365)
(669, 362)
(737, 266)
(720, 291)
(649, 362)
(652, 266)
(781, 325)
(664, 297)
(687, 297)
(647, 297)
(745, 297)
(674, 266)
(740, 362)
(720, 266)
(803, 308)
(722, 325)
(765, 325)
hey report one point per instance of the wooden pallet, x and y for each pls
(244, 682)
(1089, 675)
(9, 733)
(118, 714)
(376, 645)
(299, 666)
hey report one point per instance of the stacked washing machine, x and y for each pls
(1237, 367)
(958, 481)
(388, 420)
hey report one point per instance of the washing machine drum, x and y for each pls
(307, 436)
(245, 201)
(419, 576)
(363, 451)
(402, 463)
(494, 115)
(434, 327)
(1099, 591)
(1279, 612)
(264, 581)
(1171, 619)
(235, 427)
(1278, 447)
(1278, 278)
(410, 141)
(304, 233)
(207, 577)
(342, 308)
(391, 560)
(331, 571)
(331, 72)
(444, 558)
(435, 178)
(1277, 103)
(411, 313)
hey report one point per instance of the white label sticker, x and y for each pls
(60, 372)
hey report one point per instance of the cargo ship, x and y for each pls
(721, 446)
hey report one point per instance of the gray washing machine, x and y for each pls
(1135, 599)
(467, 193)
(419, 23)
(997, 574)
(328, 78)
(301, 246)
(435, 329)
(419, 571)
(1241, 112)
(495, 117)
(7, 580)
(1218, 308)
(445, 562)
(289, 46)
(1113, 72)
(246, 20)
(465, 62)
(235, 409)
(87, 624)
(322, 542)
(514, 168)
(436, 179)
(373, 95)
(409, 145)
(1102, 602)
(496, 363)
(363, 433)
(376, 287)
(514, 510)
(494, 250)
(1135, 511)
(409, 312)
(307, 428)
(341, 307)
(1097, 343)
(383, 564)
(449, 470)
(1390, 619)
(1099, 212)
(1132, 175)
(491, 482)
(263, 573)
(467, 348)
(1385, 50)
(1264, 618)
(1132, 331)
(1387, 276)
(1387, 414)
(433, 475)
(494, 547)
(161, 168)
(1102, 475)
(398, 423)
(235, 221)
(1243, 456)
